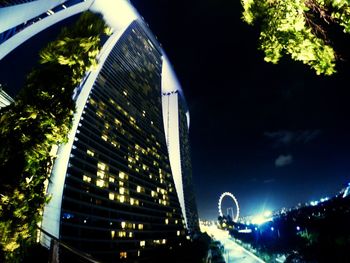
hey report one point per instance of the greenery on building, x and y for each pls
(299, 29)
(40, 119)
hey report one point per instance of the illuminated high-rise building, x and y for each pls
(122, 185)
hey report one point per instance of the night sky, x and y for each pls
(273, 135)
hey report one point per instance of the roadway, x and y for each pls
(234, 253)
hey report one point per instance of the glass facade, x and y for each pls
(186, 168)
(119, 199)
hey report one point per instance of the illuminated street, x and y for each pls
(233, 252)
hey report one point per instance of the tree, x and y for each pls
(299, 29)
(40, 118)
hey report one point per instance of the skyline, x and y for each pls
(244, 119)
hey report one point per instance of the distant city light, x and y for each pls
(260, 219)
(324, 199)
(314, 203)
(298, 228)
(267, 213)
(245, 231)
(272, 228)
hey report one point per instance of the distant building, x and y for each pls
(122, 185)
(5, 99)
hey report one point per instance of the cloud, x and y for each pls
(269, 181)
(283, 160)
(285, 137)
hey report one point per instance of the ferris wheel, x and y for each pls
(235, 219)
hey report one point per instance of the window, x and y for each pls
(122, 234)
(100, 183)
(102, 166)
(123, 254)
(90, 153)
(122, 175)
(86, 179)
(104, 137)
(121, 198)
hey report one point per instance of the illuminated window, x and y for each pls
(115, 144)
(140, 189)
(178, 232)
(100, 174)
(99, 114)
(138, 253)
(121, 198)
(140, 226)
(123, 254)
(130, 234)
(92, 102)
(90, 153)
(176, 221)
(111, 196)
(142, 243)
(102, 166)
(121, 190)
(122, 234)
(112, 233)
(104, 137)
(117, 122)
(100, 183)
(123, 224)
(111, 179)
(132, 201)
(107, 125)
(122, 175)
(86, 179)
(163, 241)
(121, 183)
(166, 221)
(153, 193)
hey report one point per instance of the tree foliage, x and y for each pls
(299, 29)
(40, 118)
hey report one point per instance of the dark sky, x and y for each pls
(273, 135)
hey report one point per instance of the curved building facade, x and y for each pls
(122, 185)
